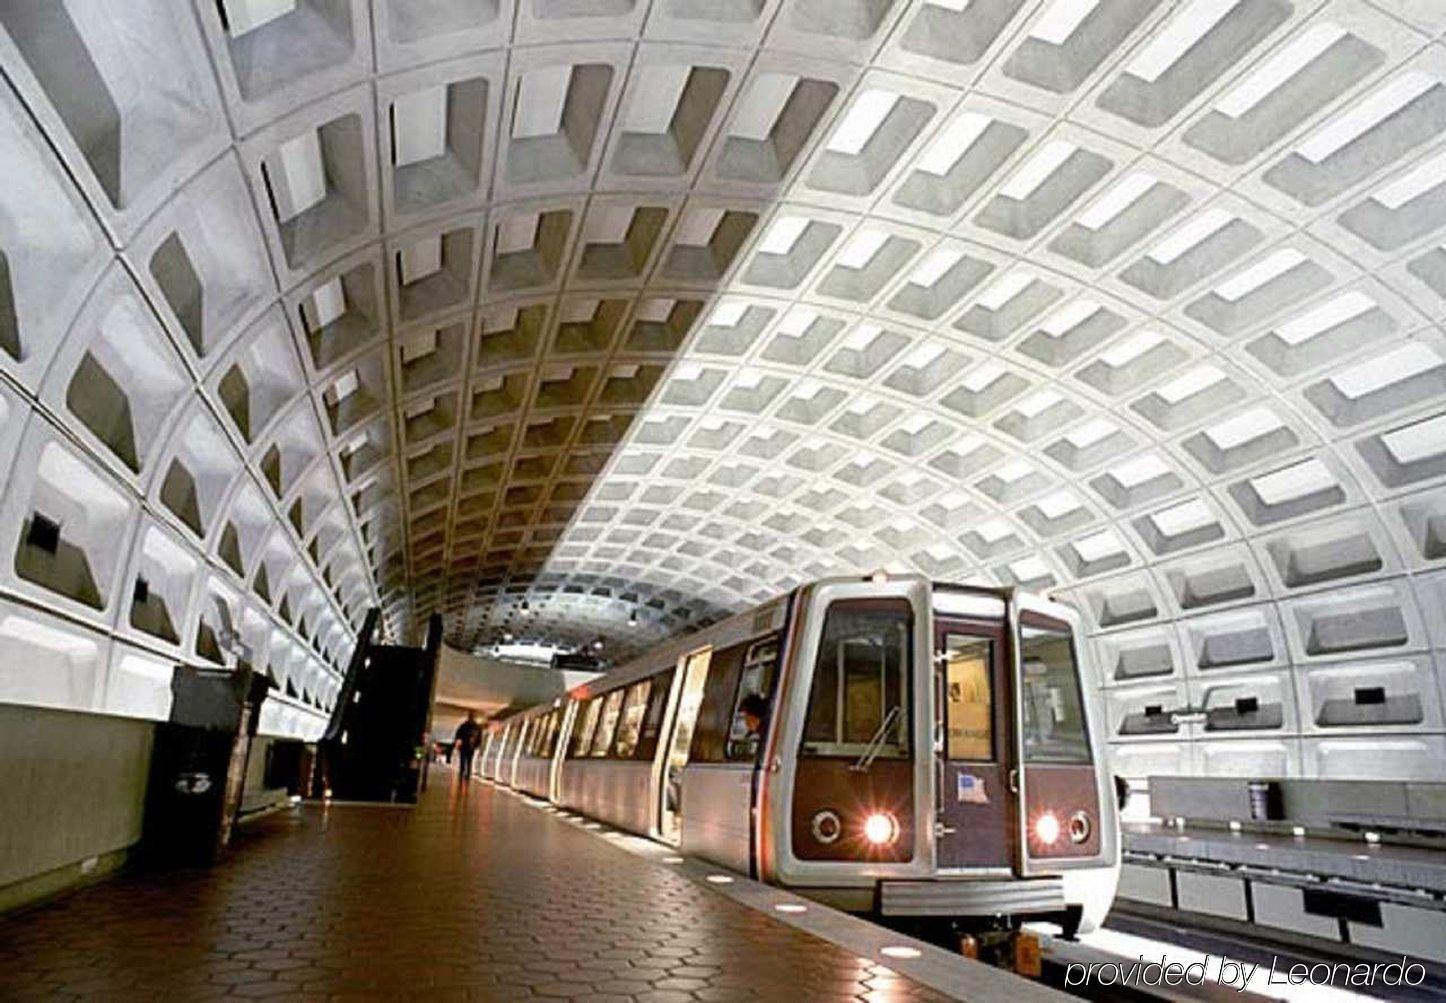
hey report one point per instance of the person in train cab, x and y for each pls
(467, 739)
(753, 709)
(750, 717)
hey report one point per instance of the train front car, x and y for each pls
(933, 759)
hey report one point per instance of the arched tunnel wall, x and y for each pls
(650, 311)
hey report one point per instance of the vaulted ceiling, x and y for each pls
(580, 319)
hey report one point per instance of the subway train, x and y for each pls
(917, 751)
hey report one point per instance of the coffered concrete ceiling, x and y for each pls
(643, 311)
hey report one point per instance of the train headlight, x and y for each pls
(1079, 827)
(1046, 828)
(881, 829)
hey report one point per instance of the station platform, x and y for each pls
(474, 894)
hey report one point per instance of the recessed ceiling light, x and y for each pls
(1429, 174)
(1333, 313)
(861, 121)
(783, 234)
(935, 266)
(1416, 442)
(1008, 286)
(956, 140)
(1037, 170)
(1385, 369)
(1187, 385)
(1099, 546)
(1264, 271)
(1068, 318)
(1195, 232)
(1059, 21)
(862, 247)
(1364, 116)
(1187, 27)
(1119, 198)
(1244, 427)
(1296, 56)
(1296, 481)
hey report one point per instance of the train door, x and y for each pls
(695, 673)
(1065, 806)
(495, 767)
(975, 805)
(524, 732)
(557, 752)
(481, 768)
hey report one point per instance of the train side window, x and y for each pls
(760, 665)
(603, 737)
(710, 732)
(549, 735)
(858, 704)
(630, 722)
(587, 724)
(653, 717)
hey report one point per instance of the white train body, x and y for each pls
(926, 750)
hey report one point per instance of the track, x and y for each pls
(1132, 934)
(1246, 943)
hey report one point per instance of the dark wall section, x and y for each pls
(72, 794)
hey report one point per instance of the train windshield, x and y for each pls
(859, 703)
(1052, 708)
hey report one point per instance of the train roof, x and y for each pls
(746, 624)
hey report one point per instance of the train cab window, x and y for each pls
(1051, 710)
(647, 746)
(630, 722)
(755, 687)
(859, 700)
(603, 737)
(587, 724)
(715, 710)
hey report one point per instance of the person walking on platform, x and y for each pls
(467, 739)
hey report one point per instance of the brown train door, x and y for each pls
(976, 811)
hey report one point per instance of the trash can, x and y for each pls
(198, 765)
